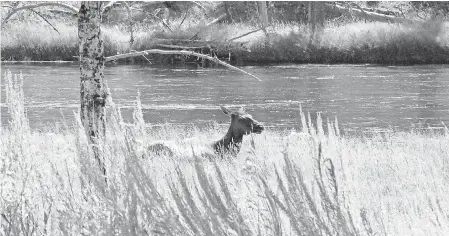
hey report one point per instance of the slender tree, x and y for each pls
(316, 17)
(263, 13)
(93, 90)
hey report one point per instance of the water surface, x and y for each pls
(363, 97)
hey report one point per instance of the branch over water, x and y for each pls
(176, 52)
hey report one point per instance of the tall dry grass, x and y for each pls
(313, 182)
(354, 42)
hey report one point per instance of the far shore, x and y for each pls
(353, 43)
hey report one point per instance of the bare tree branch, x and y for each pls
(15, 10)
(210, 23)
(201, 6)
(37, 13)
(358, 7)
(161, 20)
(175, 52)
(109, 6)
(185, 15)
(216, 20)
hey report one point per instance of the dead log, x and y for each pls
(372, 16)
(177, 46)
(175, 52)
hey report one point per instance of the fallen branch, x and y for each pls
(358, 7)
(174, 52)
(62, 12)
(216, 20)
(143, 57)
(184, 40)
(374, 16)
(243, 35)
(380, 11)
(15, 10)
(177, 47)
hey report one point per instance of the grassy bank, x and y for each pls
(307, 183)
(350, 43)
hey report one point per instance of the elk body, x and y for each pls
(242, 124)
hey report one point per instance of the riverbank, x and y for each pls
(284, 183)
(378, 43)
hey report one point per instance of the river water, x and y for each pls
(362, 97)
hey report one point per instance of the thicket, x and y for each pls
(344, 38)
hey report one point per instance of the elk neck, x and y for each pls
(231, 141)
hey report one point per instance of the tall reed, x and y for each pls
(354, 42)
(313, 182)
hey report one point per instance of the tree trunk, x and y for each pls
(320, 13)
(228, 14)
(311, 18)
(316, 11)
(263, 16)
(93, 92)
(166, 16)
(263, 13)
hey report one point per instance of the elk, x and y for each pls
(242, 124)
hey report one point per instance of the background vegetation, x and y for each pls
(345, 37)
(315, 182)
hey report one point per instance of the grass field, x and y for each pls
(286, 42)
(312, 182)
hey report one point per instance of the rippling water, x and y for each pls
(363, 97)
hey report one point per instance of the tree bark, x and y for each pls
(316, 15)
(263, 16)
(93, 92)
(228, 14)
(263, 13)
(310, 17)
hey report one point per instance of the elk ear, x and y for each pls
(225, 110)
